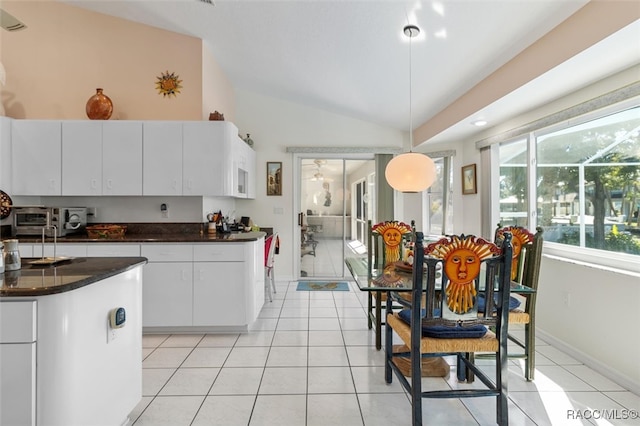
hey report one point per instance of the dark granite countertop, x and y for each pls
(153, 238)
(156, 233)
(72, 274)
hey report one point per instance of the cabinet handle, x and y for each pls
(175, 184)
(110, 183)
(94, 184)
(200, 274)
(184, 275)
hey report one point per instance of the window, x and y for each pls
(586, 183)
(513, 183)
(438, 201)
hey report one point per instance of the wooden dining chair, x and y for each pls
(386, 242)
(447, 320)
(525, 270)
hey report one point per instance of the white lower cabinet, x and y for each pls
(167, 294)
(209, 285)
(18, 321)
(220, 284)
(219, 294)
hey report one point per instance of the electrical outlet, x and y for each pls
(165, 214)
(164, 210)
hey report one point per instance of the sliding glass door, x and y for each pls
(335, 202)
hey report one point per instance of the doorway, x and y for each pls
(335, 200)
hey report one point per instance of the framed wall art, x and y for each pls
(469, 181)
(274, 178)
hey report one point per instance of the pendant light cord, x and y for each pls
(410, 101)
(411, 31)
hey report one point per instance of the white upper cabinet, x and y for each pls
(82, 158)
(5, 155)
(162, 158)
(203, 157)
(241, 159)
(122, 158)
(101, 158)
(36, 147)
(97, 157)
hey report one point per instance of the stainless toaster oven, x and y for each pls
(60, 221)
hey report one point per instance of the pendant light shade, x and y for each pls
(410, 172)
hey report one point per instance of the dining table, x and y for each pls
(394, 277)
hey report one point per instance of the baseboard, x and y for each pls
(610, 373)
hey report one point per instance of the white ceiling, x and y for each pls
(350, 57)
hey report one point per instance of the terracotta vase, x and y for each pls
(99, 106)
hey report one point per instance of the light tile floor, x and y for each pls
(311, 361)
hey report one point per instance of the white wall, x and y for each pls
(593, 315)
(139, 209)
(277, 124)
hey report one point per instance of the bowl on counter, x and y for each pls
(106, 231)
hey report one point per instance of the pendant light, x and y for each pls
(411, 171)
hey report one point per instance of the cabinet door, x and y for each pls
(251, 173)
(5, 155)
(113, 250)
(219, 297)
(18, 323)
(81, 158)
(203, 159)
(36, 150)
(240, 167)
(162, 158)
(122, 158)
(18, 384)
(167, 294)
(67, 250)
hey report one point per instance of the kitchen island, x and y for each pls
(71, 342)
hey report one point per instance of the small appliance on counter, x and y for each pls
(61, 220)
(11, 255)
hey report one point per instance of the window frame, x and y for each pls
(619, 261)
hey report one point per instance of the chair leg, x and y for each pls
(530, 351)
(502, 374)
(369, 309)
(266, 282)
(388, 346)
(416, 386)
(378, 320)
(273, 279)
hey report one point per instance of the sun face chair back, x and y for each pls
(386, 242)
(527, 257)
(449, 321)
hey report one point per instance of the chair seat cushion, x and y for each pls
(514, 303)
(443, 331)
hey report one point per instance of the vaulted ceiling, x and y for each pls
(351, 57)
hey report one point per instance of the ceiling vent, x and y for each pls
(9, 22)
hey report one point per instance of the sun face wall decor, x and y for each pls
(168, 84)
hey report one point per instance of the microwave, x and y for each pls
(57, 221)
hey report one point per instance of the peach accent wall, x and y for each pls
(65, 53)
(217, 91)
